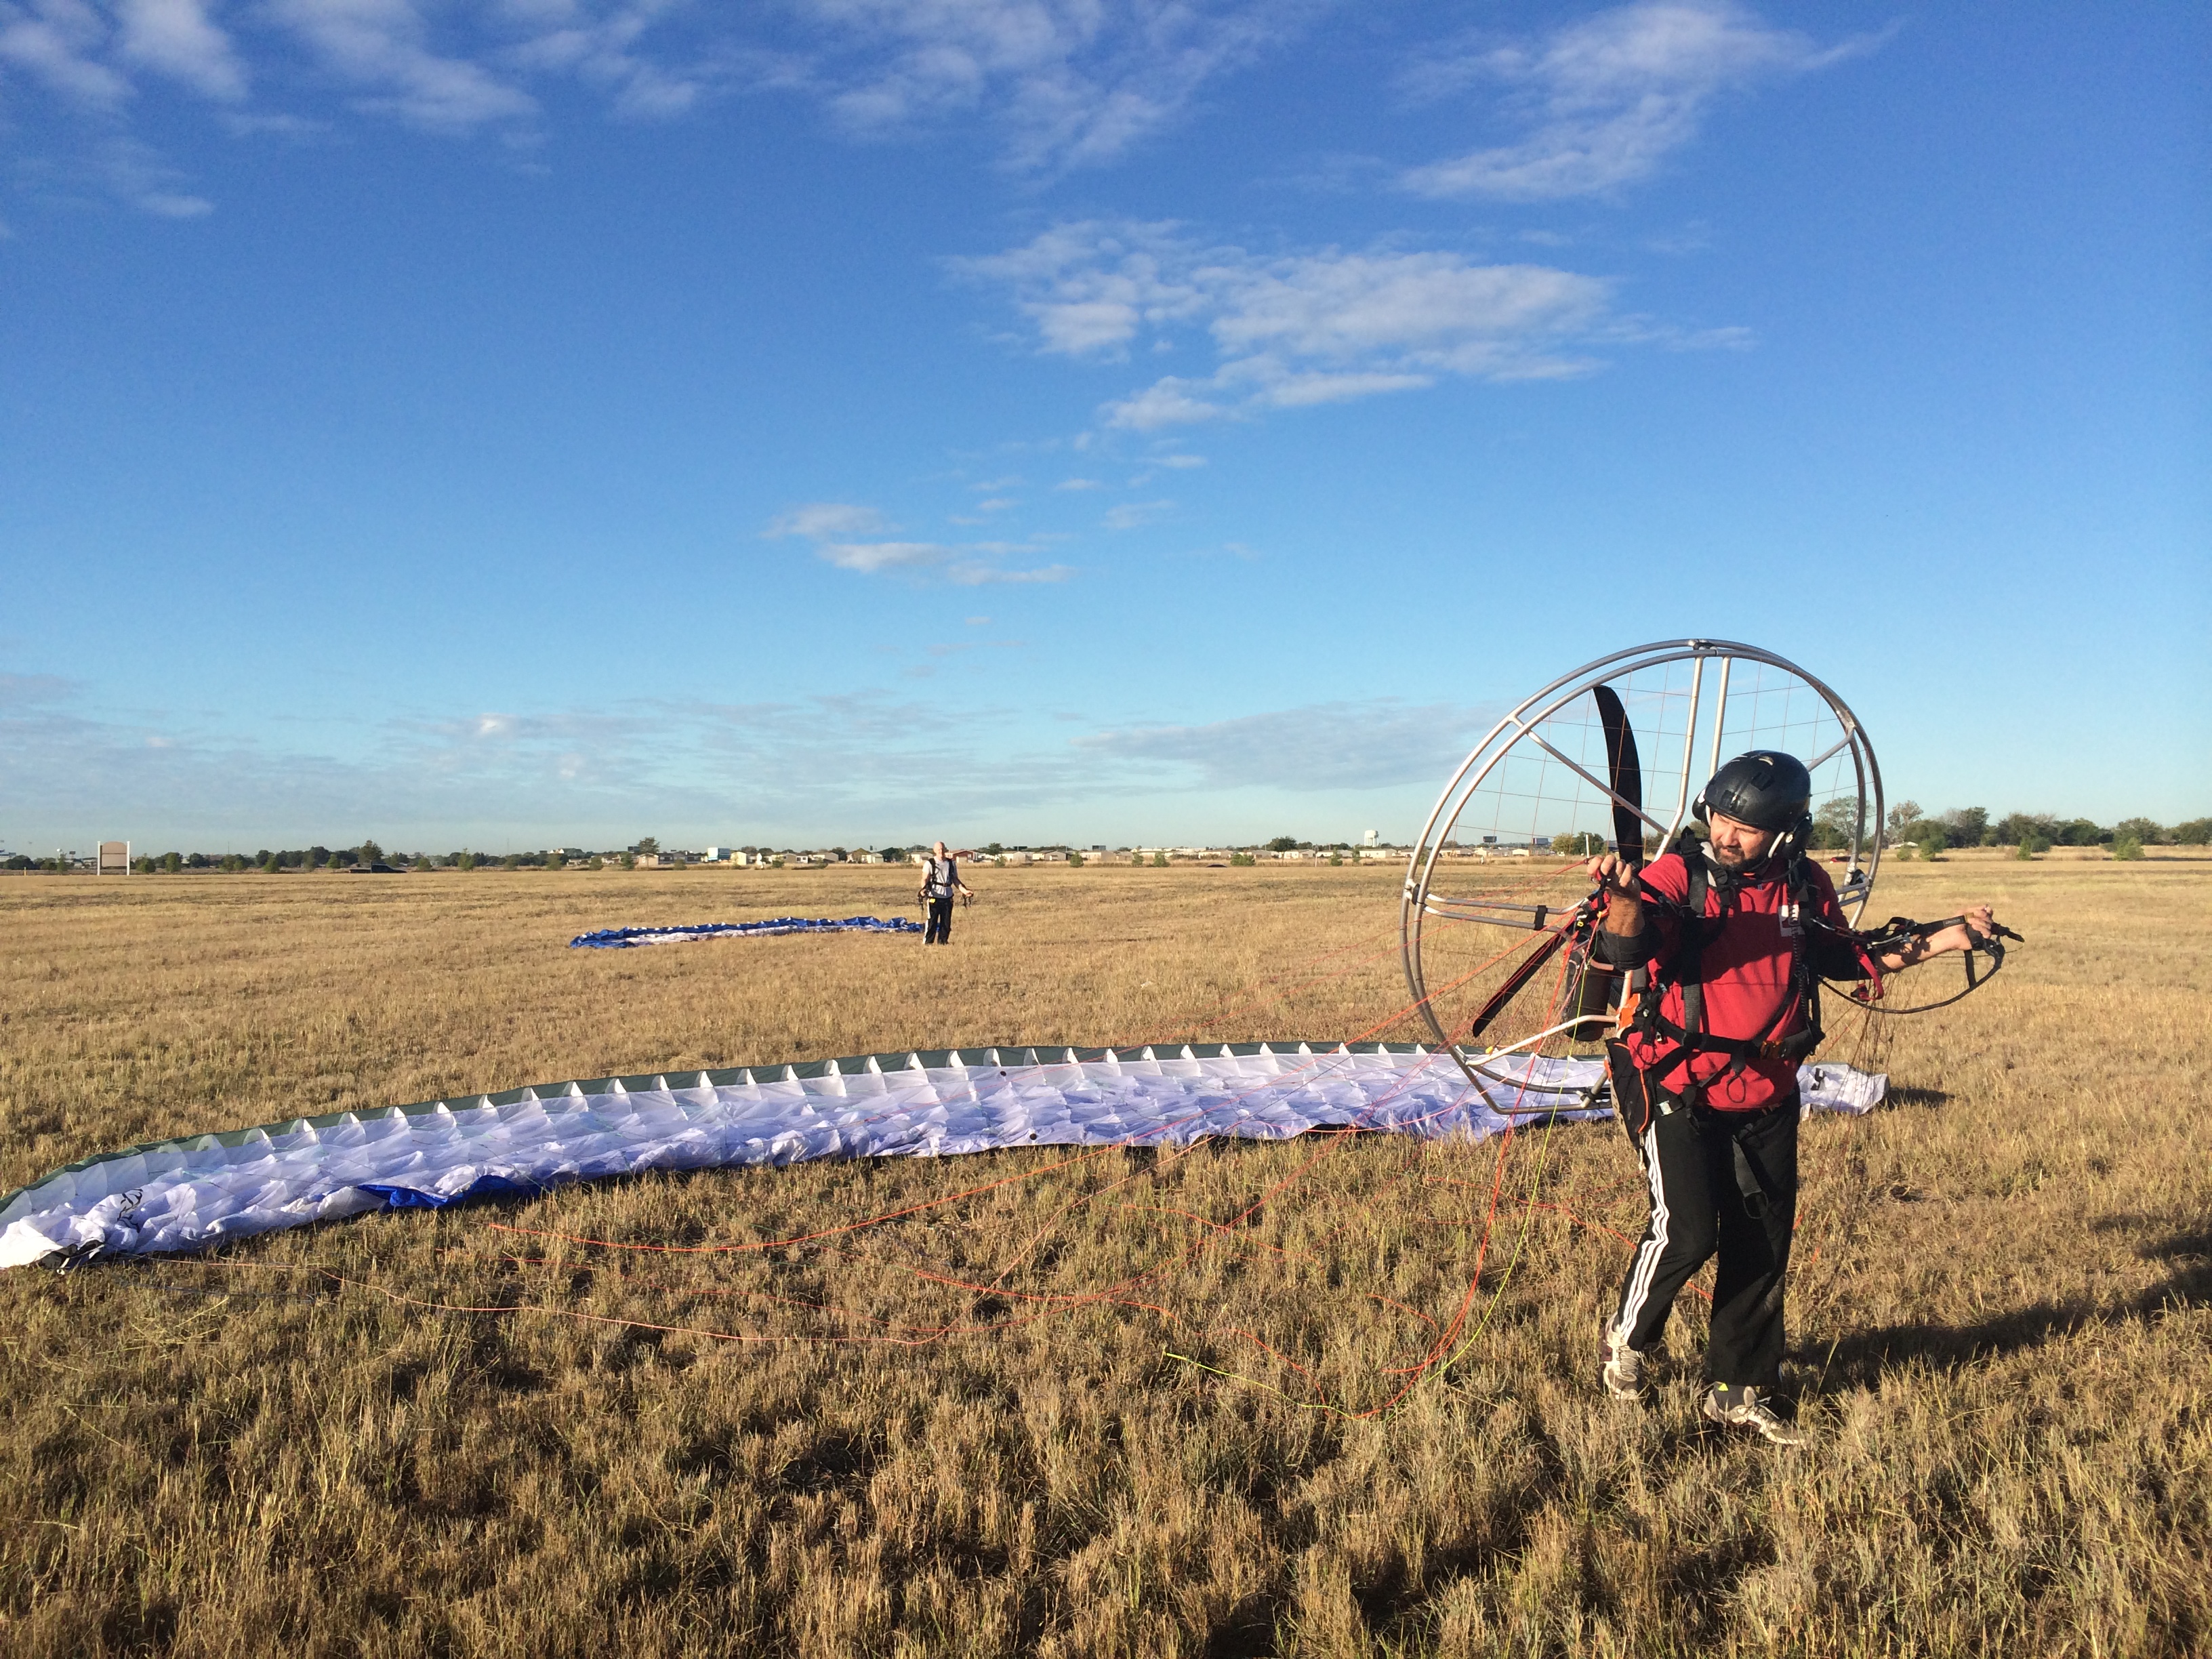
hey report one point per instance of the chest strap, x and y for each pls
(1684, 967)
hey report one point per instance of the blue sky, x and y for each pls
(1094, 420)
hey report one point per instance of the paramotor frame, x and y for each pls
(1555, 772)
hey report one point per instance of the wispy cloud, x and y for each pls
(1293, 330)
(135, 174)
(792, 770)
(177, 39)
(869, 557)
(1605, 100)
(60, 43)
(612, 48)
(965, 565)
(835, 527)
(1330, 745)
(1129, 514)
(822, 520)
(383, 48)
(21, 691)
(976, 573)
(1069, 83)
(1062, 83)
(634, 770)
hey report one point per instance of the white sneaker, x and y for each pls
(1743, 1408)
(1622, 1372)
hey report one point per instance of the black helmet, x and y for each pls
(1765, 789)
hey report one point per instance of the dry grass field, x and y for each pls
(967, 1430)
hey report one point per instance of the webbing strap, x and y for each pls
(1793, 1047)
(1684, 967)
(1746, 1179)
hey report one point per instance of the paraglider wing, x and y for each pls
(208, 1189)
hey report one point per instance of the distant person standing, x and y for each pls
(940, 883)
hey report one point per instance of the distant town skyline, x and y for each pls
(1910, 830)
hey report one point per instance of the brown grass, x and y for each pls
(2000, 1320)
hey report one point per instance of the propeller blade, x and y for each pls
(1625, 772)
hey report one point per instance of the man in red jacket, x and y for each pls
(1734, 935)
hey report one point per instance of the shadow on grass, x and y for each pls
(1861, 1358)
(1907, 1094)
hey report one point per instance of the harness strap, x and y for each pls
(1747, 1180)
(1793, 1047)
(1796, 886)
(1683, 966)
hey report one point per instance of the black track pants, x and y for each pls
(1698, 1208)
(939, 930)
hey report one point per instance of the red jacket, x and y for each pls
(1745, 968)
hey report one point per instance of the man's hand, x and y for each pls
(1978, 923)
(1624, 899)
(1616, 874)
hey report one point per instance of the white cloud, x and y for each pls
(973, 573)
(177, 37)
(604, 45)
(1303, 390)
(1291, 330)
(1062, 82)
(1333, 746)
(380, 45)
(1078, 483)
(1090, 288)
(134, 172)
(787, 771)
(1609, 97)
(171, 204)
(23, 691)
(869, 557)
(824, 518)
(60, 42)
(1071, 82)
(1344, 308)
(960, 565)
(447, 68)
(1130, 515)
(1164, 403)
(248, 124)
(834, 527)
(806, 771)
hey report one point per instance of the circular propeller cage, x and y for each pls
(1609, 756)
